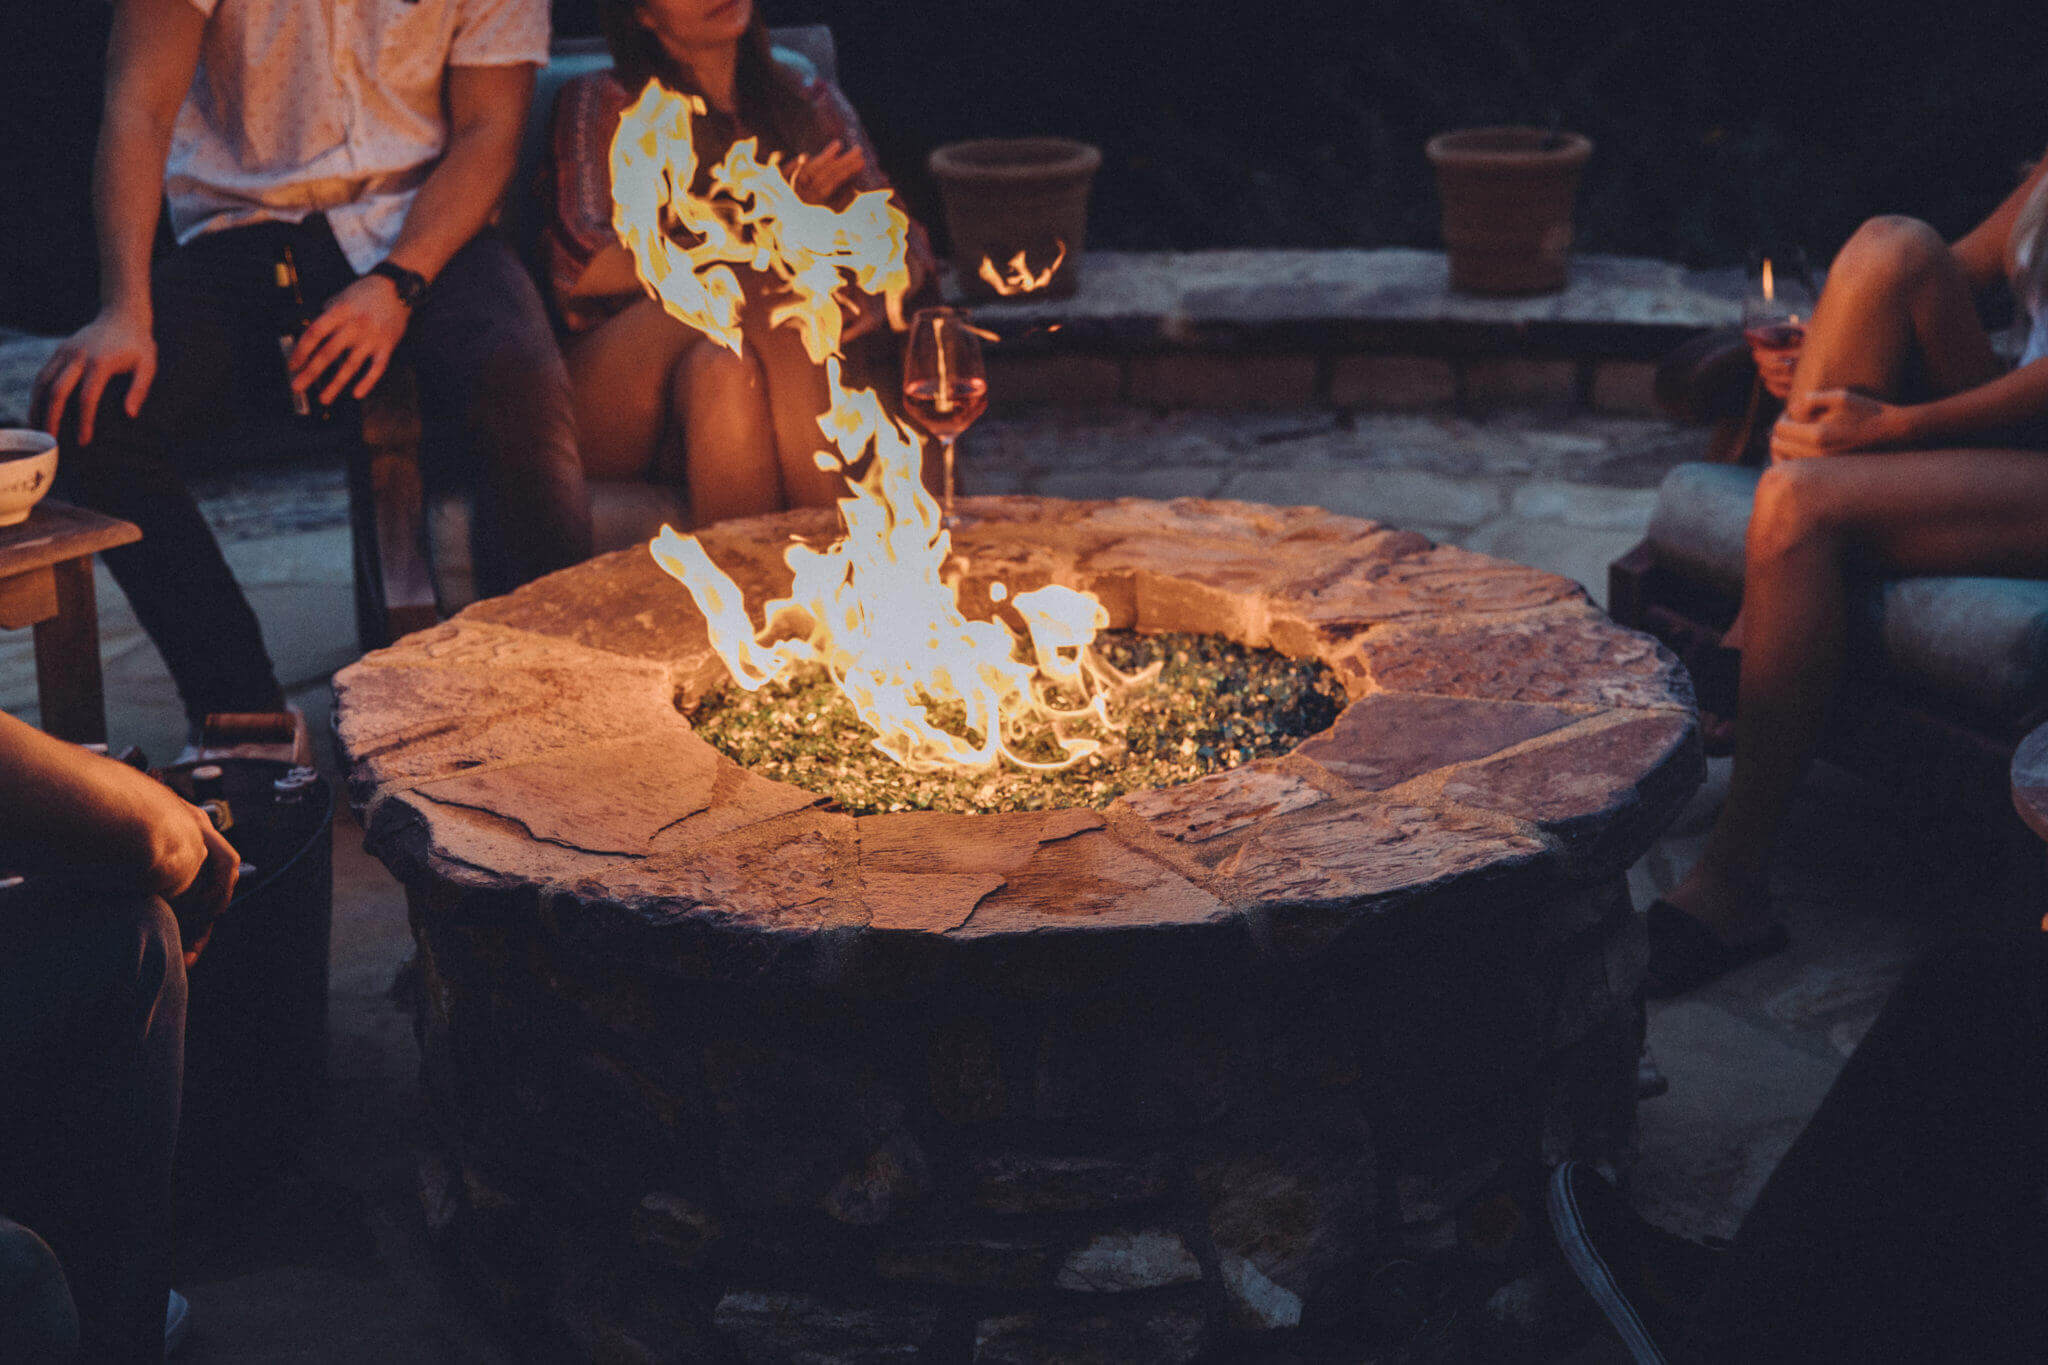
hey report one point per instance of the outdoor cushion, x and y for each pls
(1978, 643)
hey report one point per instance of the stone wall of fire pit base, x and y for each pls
(1169, 1171)
(1262, 1063)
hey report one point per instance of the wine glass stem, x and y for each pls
(948, 444)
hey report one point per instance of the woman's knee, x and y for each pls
(1890, 250)
(710, 370)
(1793, 509)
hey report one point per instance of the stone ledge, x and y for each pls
(1391, 300)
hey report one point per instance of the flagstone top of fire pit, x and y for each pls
(1501, 729)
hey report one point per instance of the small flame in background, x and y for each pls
(1018, 277)
(875, 607)
(1771, 289)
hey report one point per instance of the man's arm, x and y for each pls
(61, 806)
(151, 55)
(363, 325)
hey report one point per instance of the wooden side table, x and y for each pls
(46, 582)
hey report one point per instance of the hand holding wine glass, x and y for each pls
(945, 387)
(1774, 319)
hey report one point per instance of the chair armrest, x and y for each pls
(386, 514)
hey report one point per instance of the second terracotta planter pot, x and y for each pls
(1003, 196)
(1507, 203)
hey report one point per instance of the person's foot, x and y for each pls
(1735, 906)
(1644, 1280)
(177, 1321)
(1686, 954)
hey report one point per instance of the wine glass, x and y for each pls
(944, 384)
(1774, 317)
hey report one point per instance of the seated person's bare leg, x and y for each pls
(655, 400)
(1904, 512)
(728, 442)
(622, 371)
(797, 398)
(1897, 321)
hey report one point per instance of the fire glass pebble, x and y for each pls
(1214, 705)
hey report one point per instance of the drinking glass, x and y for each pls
(944, 384)
(1774, 317)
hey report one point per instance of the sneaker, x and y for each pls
(177, 1321)
(1646, 1281)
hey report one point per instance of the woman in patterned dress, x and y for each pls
(654, 399)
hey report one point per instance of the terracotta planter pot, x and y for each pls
(1006, 195)
(1507, 199)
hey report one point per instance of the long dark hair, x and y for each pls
(770, 97)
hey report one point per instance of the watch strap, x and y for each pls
(409, 283)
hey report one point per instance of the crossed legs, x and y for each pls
(1896, 321)
(738, 431)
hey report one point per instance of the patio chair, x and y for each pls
(412, 553)
(1947, 675)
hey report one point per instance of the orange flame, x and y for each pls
(1018, 277)
(874, 608)
(1770, 292)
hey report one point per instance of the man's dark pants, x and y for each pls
(92, 1043)
(495, 407)
(1906, 1223)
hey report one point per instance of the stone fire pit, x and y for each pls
(715, 1073)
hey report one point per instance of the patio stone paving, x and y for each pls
(332, 1264)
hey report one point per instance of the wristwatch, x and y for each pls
(410, 284)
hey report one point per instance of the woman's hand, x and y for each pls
(1775, 364)
(821, 178)
(1836, 421)
(115, 343)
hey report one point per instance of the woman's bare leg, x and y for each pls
(728, 441)
(655, 400)
(1897, 319)
(1906, 512)
(623, 373)
(797, 397)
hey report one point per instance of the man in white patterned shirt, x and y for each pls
(367, 141)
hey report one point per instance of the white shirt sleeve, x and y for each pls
(495, 32)
(205, 7)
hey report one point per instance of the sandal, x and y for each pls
(1685, 954)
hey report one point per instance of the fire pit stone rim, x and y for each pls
(1503, 639)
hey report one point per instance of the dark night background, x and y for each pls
(1717, 127)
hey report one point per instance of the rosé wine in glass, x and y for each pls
(945, 386)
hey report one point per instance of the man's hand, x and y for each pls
(821, 178)
(355, 335)
(202, 899)
(117, 342)
(1835, 421)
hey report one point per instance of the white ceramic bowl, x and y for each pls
(28, 462)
